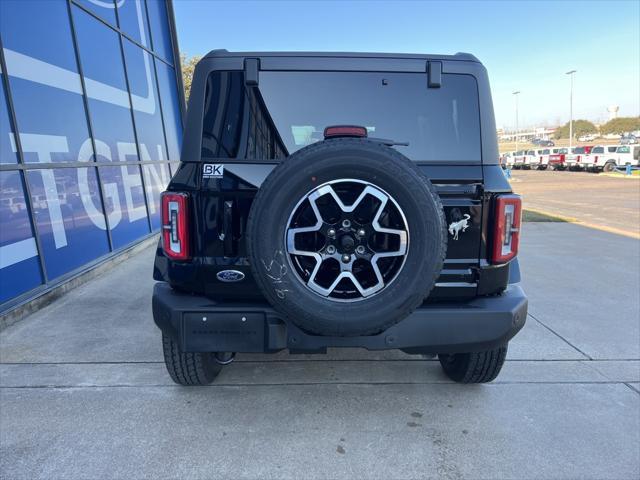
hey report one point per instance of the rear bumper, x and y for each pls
(199, 324)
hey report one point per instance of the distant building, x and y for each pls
(613, 111)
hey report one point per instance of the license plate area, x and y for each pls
(223, 332)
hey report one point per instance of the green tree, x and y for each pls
(621, 125)
(580, 127)
(188, 65)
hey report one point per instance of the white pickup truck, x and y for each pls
(575, 159)
(607, 158)
(542, 158)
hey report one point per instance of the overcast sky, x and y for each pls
(526, 46)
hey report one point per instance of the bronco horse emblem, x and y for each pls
(460, 225)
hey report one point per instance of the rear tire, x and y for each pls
(609, 167)
(475, 367)
(189, 368)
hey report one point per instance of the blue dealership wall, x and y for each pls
(91, 110)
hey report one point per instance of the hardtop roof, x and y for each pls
(460, 56)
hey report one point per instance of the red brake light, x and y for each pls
(175, 225)
(596, 159)
(345, 131)
(506, 228)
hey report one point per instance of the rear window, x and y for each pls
(579, 150)
(290, 110)
(598, 150)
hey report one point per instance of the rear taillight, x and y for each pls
(579, 157)
(595, 160)
(345, 131)
(506, 228)
(175, 225)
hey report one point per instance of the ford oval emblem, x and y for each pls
(230, 276)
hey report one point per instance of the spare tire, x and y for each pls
(346, 237)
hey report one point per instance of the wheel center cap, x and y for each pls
(348, 243)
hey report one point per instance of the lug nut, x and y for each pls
(331, 249)
(361, 232)
(346, 223)
(346, 258)
(331, 232)
(360, 249)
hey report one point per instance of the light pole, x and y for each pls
(570, 73)
(516, 93)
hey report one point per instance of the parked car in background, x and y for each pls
(506, 159)
(628, 154)
(628, 139)
(601, 157)
(590, 137)
(543, 158)
(547, 143)
(518, 159)
(530, 159)
(607, 158)
(573, 160)
(557, 158)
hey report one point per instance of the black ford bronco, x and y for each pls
(339, 200)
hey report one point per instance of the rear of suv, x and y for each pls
(339, 200)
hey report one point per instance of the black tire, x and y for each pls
(609, 167)
(189, 368)
(366, 161)
(476, 367)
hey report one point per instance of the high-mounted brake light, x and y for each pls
(345, 131)
(175, 225)
(506, 228)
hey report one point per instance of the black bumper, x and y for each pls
(199, 324)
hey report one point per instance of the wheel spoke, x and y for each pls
(376, 281)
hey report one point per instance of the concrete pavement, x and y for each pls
(84, 393)
(598, 200)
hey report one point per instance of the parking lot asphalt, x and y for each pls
(84, 393)
(598, 200)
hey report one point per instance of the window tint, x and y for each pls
(109, 105)
(37, 41)
(170, 109)
(133, 20)
(68, 211)
(159, 23)
(7, 141)
(290, 110)
(598, 150)
(103, 8)
(579, 150)
(19, 265)
(124, 203)
(623, 150)
(146, 107)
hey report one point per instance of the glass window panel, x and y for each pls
(68, 212)
(170, 109)
(109, 104)
(39, 29)
(125, 205)
(7, 143)
(133, 21)
(146, 107)
(19, 264)
(45, 85)
(103, 8)
(159, 22)
(156, 178)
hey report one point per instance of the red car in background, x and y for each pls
(557, 158)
